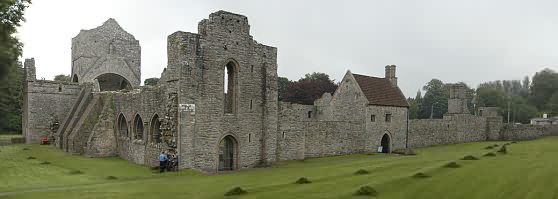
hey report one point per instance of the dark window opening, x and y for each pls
(372, 118)
(138, 134)
(122, 126)
(59, 89)
(388, 117)
(250, 104)
(283, 134)
(230, 86)
(309, 114)
(252, 69)
(249, 137)
(155, 129)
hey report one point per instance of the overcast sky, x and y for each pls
(471, 41)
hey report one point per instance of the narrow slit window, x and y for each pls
(249, 137)
(309, 114)
(283, 134)
(388, 117)
(373, 118)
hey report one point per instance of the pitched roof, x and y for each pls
(379, 91)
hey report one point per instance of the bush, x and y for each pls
(489, 147)
(366, 191)
(469, 157)
(235, 191)
(45, 162)
(31, 158)
(112, 178)
(303, 180)
(420, 175)
(76, 172)
(503, 149)
(452, 165)
(361, 172)
(490, 154)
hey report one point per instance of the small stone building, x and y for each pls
(215, 105)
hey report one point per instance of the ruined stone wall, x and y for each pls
(527, 132)
(198, 61)
(327, 138)
(454, 129)
(45, 102)
(291, 133)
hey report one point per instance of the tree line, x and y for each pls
(523, 99)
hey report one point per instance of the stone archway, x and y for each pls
(386, 144)
(75, 78)
(228, 153)
(113, 82)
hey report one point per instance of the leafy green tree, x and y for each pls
(11, 72)
(309, 88)
(62, 78)
(543, 87)
(435, 100)
(282, 83)
(414, 105)
(151, 81)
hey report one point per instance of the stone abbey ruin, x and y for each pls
(105, 112)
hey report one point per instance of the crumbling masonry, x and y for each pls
(216, 105)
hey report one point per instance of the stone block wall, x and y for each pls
(46, 102)
(453, 129)
(327, 138)
(527, 132)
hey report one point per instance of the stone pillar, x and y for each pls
(30, 74)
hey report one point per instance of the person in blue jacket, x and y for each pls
(162, 161)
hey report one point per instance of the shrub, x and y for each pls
(452, 165)
(503, 149)
(420, 175)
(366, 191)
(45, 162)
(490, 154)
(469, 157)
(235, 191)
(303, 180)
(112, 178)
(76, 172)
(489, 147)
(31, 158)
(361, 172)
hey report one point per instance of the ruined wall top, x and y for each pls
(103, 50)
(458, 91)
(224, 22)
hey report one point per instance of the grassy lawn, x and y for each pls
(9, 136)
(528, 170)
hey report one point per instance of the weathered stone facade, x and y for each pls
(216, 105)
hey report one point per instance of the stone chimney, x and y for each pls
(29, 66)
(390, 74)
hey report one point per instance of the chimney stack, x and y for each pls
(29, 66)
(390, 74)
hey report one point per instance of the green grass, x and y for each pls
(528, 170)
(9, 136)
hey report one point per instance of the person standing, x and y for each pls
(162, 161)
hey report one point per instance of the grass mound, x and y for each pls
(469, 157)
(420, 175)
(495, 145)
(361, 172)
(513, 142)
(407, 151)
(45, 162)
(75, 172)
(489, 147)
(452, 165)
(235, 191)
(366, 191)
(31, 158)
(111, 178)
(303, 180)
(503, 149)
(25, 149)
(489, 154)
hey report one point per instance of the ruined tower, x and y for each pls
(108, 55)
(457, 102)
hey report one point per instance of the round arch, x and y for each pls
(227, 153)
(113, 82)
(385, 143)
(155, 129)
(138, 127)
(122, 126)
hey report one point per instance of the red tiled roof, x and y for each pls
(379, 91)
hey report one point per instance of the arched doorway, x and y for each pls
(155, 129)
(75, 78)
(386, 143)
(122, 126)
(138, 134)
(227, 153)
(113, 82)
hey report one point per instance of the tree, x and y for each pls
(435, 100)
(543, 87)
(11, 72)
(62, 78)
(309, 88)
(414, 105)
(11, 16)
(151, 81)
(282, 83)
